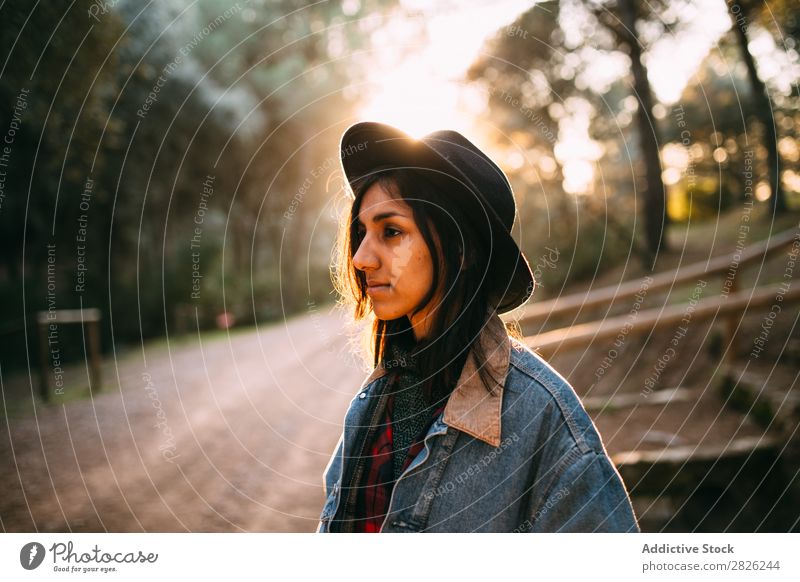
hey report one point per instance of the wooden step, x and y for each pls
(769, 396)
(680, 469)
(747, 485)
(664, 396)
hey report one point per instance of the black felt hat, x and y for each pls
(477, 185)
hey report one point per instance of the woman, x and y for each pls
(459, 427)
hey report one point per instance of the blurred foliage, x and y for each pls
(141, 105)
(534, 71)
(151, 101)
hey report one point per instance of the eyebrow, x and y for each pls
(383, 216)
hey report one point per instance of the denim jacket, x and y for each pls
(524, 458)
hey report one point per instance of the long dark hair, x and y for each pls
(459, 271)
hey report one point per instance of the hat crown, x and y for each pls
(477, 170)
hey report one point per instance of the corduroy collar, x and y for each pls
(472, 408)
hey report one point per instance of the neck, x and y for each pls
(421, 325)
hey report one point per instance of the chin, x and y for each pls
(386, 313)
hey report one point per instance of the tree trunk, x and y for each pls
(655, 207)
(763, 107)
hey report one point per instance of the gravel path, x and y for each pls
(229, 435)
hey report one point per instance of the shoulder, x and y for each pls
(535, 386)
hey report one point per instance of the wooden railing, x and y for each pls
(580, 335)
(605, 296)
(730, 305)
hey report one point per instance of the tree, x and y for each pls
(537, 67)
(621, 18)
(742, 13)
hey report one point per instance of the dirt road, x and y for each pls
(225, 435)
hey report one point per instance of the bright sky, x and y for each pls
(417, 85)
(420, 92)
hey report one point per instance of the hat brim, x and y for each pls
(369, 147)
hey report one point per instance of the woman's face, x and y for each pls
(394, 258)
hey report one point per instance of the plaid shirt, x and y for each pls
(372, 501)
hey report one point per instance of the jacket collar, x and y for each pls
(471, 408)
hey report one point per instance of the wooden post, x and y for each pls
(730, 328)
(96, 384)
(44, 359)
(89, 316)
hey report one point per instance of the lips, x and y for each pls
(376, 286)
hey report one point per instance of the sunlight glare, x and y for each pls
(418, 86)
(674, 59)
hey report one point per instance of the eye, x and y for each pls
(390, 232)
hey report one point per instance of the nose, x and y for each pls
(365, 258)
